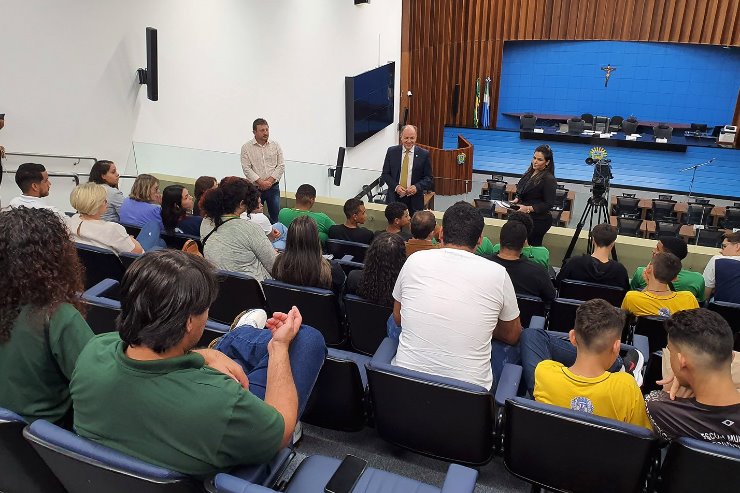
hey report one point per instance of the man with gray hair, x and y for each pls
(407, 170)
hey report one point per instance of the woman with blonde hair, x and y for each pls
(90, 201)
(143, 203)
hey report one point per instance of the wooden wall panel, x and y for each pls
(448, 42)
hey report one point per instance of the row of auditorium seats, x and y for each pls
(417, 412)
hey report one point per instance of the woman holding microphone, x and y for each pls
(535, 193)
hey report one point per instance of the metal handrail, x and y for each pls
(75, 176)
(31, 154)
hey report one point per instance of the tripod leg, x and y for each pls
(588, 210)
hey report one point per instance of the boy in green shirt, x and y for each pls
(686, 281)
(305, 197)
(537, 254)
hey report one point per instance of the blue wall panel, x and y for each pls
(653, 81)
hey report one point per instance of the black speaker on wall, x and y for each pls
(360, 2)
(455, 99)
(150, 74)
(340, 166)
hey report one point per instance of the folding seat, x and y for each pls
(177, 240)
(584, 291)
(319, 307)
(441, 417)
(562, 314)
(564, 450)
(21, 468)
(695, 465)
(314, 473)
(366, 322)
(100, 263)
(338, 399)
(529, 306)
(84, 466)
(341, 248)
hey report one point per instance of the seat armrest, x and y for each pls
(385, 352)
(217, 326)
(507, 387)
(460, 479)
(226, 483)
(640, 343)
(93, 294)
(537, 322)
(347, 258)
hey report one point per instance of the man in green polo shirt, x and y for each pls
(686, 281)
(537, 254)
(145, 392)
(305, 197)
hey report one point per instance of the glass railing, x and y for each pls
(192, 163)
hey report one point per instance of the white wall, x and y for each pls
(69, 85)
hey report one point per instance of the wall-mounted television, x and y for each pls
(369, 103)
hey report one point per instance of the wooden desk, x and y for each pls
(564, 118)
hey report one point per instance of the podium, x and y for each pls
(452, 168)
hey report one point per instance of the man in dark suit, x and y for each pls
(407, 170)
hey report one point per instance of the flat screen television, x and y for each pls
(369, 103)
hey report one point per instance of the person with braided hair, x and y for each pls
(42, 330)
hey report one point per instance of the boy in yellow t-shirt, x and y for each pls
(657, 297)
(587, 385)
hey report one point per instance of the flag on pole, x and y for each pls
(487, 105)
(477, 103)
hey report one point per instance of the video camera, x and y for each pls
(602, 171)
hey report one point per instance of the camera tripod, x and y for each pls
(597, 205)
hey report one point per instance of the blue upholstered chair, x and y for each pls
(694, 465)
(408, 407)
(105, 296)
(564, 450)
(342, 248)
(100, 263)
(367, 323)
(314, 473)
(21, 468)
(584, 291)
(319, 307)
(338, 399)
(85, 466)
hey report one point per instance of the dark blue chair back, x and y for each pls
(101, 317)
(340, 248)
(100, 263)
(584, 291)
(529, 306)
(236, 292)
(319, 307)
(543, 444)
(84, 466)
(367, 323)
(444, 418)
(562, 314)
(21, 468)
(337, 400)
(694, 465)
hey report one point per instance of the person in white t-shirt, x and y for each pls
(453, 306)
(277, 233)
(33, 180)
(726, 285)
(90, 201)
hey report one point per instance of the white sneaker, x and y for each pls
(256, 318)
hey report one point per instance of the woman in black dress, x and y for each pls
(535, 193)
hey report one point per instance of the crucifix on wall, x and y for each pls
(608, 69)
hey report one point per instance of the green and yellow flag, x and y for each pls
(477, 102)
